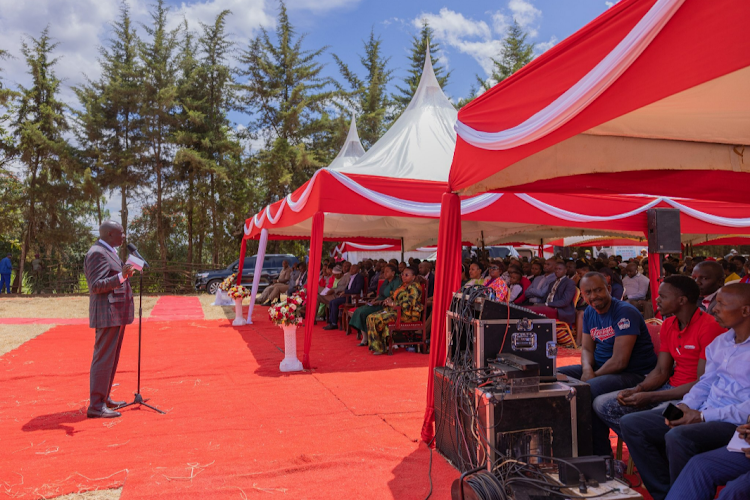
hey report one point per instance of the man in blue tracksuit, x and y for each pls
(6, 268)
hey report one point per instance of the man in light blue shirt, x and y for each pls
(539, 289)
(713, 408)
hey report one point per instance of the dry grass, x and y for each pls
(57, 307)
(13, 336)
(217, 312)
(93, 495)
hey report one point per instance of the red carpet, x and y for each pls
(176, 308)
(235, 427)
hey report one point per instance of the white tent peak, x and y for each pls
(351, 151)
(419, 144)
(428, 91)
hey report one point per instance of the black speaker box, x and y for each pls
(664, 230)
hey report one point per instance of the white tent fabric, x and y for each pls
(419, 145)
(351, 151)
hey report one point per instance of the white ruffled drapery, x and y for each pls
(584, 92)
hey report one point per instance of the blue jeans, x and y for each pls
(4, 282)
(610, 411)
(707, 471)
(660, 453)
(603, 384)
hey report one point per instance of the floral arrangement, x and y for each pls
(288, 312)
(228, 282)
(238, 292)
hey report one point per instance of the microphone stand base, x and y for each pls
(140, 401)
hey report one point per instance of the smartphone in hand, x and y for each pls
(672, 413)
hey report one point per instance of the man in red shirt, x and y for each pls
(684, 335)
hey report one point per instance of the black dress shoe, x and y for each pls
(330, 326)
(104, 413)
(114, 404)
(362, 344)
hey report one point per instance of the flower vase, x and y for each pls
(239, 320)
(290, 363)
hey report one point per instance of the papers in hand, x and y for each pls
(737, 443)
(325, 291)
(135, 262)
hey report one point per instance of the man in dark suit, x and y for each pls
(558, 303)
(110, 309)
(354, 287)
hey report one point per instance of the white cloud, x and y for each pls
(542, 47)
(247, 16)
(610, 4)
(320, 5)
(477, 38)
(526, 15)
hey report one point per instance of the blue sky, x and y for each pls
(469, 32)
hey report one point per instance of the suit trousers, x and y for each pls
(704, 473)
(104, 364)
(660, 453)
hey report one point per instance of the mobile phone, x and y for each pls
(672, 413)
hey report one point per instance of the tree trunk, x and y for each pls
(190, 218)
(29, 226)
(124, 217)
(214, 222)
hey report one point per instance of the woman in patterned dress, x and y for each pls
(409, 297)
(496, 283)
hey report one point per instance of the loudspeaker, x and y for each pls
(664, 230)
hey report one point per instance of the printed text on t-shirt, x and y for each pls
(602, 334)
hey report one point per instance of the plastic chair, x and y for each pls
(564, 332)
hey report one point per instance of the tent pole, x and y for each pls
(447, 280)
(241, 264)
(257, 272)
(482, 233)
(654, 276)
(402, 249)
(313, 275)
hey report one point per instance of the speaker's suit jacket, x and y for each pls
(110, 302)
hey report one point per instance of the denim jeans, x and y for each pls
(5, 282)
(610, 411)
(603, 384)
(660, 453)
(707, 471)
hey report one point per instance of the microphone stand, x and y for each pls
(138, 398)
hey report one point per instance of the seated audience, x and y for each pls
(617, 352)
(615, 283)
(281, 285)
(730, 271)
(408, 297)
(684, 336)
(526, 269)
(475, 275)
(710, 278)
(401, 266)
(636, 286)
(372, 286)
(425, 271)
(535, 269)
(496, 283)
(390, 283)
(340, 280)
(539, 289)
(570, 268)
(354, 287)
(712, 409)
(705, 472)
(298, 280)
(746, 272)
(559, 301)
(518, 285)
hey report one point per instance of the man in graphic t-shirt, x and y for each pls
(617, 350)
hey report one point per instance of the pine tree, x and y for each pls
(110, 123)
(515, 55)
(54, 200)
(159, 110)
(369, 95)
(7, 101)
(416, 65)
(287, 95)
(206, 97)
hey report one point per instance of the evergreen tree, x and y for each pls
(206, 97)
(369, 96)
(287, 96)
(7, 101)
(416, 65)
(158, 110)
(54, 202)
(110, 123)
(515, 55)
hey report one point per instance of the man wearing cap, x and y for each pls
(340, 281)
(6, 268)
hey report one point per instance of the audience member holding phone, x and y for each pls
(712, 409)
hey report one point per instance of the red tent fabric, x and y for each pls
(629, 102)
(732, 240)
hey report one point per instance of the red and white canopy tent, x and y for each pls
(646, 98)
(729, 239)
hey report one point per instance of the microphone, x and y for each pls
(134, 251)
